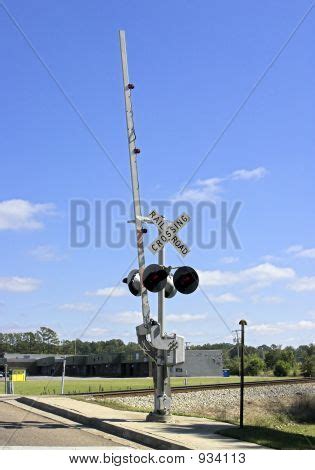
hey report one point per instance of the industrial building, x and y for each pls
(135, 364)
(199, 363)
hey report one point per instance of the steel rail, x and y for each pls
(194, 388)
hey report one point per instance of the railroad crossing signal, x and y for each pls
(157, 278)
(165, 349)
(133, 282)
(168, 233)
(186, 280)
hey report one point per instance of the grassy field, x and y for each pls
(287, 423)
(290, 437)
(283, 422)
(53, 386)
(274, 429)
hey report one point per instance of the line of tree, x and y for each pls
(46, 341)
(258, 360)
(268, 359)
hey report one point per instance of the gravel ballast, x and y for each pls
(206, 400)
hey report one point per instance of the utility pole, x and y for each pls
(63, 374)
(242, 323)
(237, 340)
(6, 377)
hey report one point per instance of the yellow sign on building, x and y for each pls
(18, 375)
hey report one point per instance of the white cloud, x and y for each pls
(206, 190)
(268, 272)
(109, 291)
(270, 258)
(267, 299)
(307, 253)
(229, 260)
(303, 284)
(294, 248)
(311, 314)
(15, 327)
(185, 317)
(210, 188)
(19, 284)
(263, 274)
(300, 252)
(218, 278)
(280, 327)
(78, 307)
(197, 334)
(128, 317)
(224, 298)
(264, 328)
(45, 253)
(96, 333)
(255, 174)
(18, 214)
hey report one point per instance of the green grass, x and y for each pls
(295, 436)
(273, 430)
(53, 386)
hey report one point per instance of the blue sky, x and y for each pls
(194, 65)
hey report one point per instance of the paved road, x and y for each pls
(19, 427)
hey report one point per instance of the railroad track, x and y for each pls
(194, 388)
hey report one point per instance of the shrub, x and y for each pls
(254, 366)
(234, 366)
(281, 369)
(308, 367)
(302, 410)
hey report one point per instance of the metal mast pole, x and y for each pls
(161, 294)
(160, 377)
(162, 371)
(133, 152)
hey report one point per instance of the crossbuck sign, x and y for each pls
(168, 232)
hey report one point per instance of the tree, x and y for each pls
(66, 347)
(254, 366)
(132, 347)
(308, 361)
(272, 356)
(223, 346)
(281, 369)
(233, 365)
(288, 355)
(303, 350)
(49, 340)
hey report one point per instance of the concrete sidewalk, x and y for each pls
(182, 433)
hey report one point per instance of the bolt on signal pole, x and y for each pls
(242, 323)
